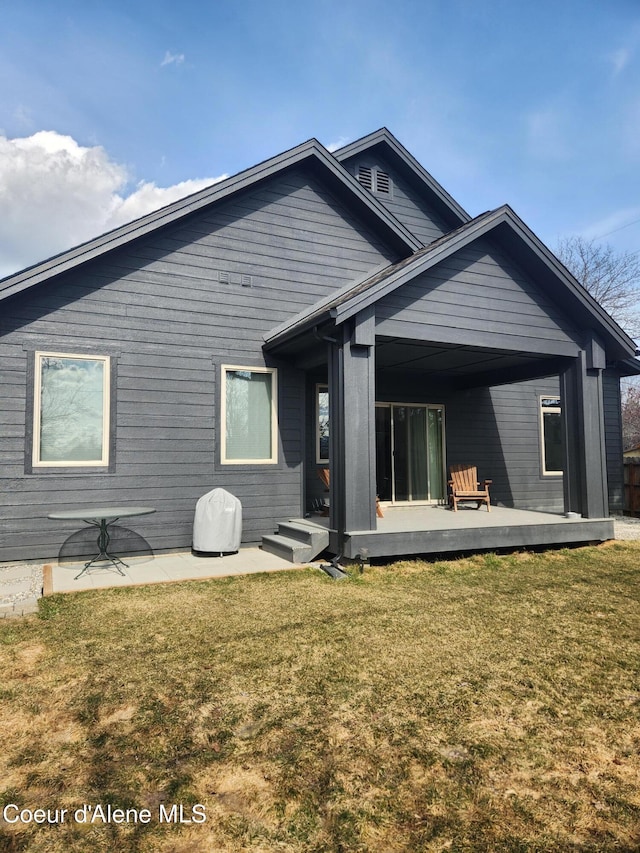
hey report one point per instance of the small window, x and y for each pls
(551, 435)
(322, 424)
(71, 410)
(249, 415)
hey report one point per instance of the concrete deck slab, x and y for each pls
(166, 568)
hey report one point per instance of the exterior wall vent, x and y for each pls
(365, 176)
(383, 183)
(374, 180)
(228, 277)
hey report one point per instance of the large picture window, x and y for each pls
(249, 415)
(551, 435)
(71, 410)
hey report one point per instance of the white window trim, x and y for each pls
(273, 459)
(106, 409)
(554, 410)
(319, 387)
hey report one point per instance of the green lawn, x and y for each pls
(486, 704)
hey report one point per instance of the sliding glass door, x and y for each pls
(410, 452)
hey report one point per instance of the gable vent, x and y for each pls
(365, 176)
(374, 180)
(383, 183)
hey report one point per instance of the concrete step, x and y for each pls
(304, 531)
(297, 540)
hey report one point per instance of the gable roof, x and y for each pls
(384, 141)
(311, 152)
(513, 235)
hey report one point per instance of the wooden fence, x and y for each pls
(632, 486)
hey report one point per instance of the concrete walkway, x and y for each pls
(22, 584)
(162, 568)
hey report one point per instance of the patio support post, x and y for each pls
(352, 418)
(585, 472)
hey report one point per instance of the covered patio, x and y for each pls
(437, 529)
(481, 350)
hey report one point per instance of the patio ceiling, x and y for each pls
(461, 365)
(456, 366)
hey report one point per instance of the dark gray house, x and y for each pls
(318, 310)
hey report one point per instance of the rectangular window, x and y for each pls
(322, 424)
(249, 415)
(551, 435)
(71, 410)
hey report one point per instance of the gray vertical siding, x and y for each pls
(171, 308)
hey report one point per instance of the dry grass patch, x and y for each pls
(484, 704)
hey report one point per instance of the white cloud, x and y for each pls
(55, 194)
(172, 59)
(339, 143)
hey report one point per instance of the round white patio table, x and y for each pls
(102, 517)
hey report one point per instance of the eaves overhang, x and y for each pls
(628, 366)
(396, 234)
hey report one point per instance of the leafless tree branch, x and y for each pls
(611, 277)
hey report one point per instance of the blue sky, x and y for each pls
(532, 103)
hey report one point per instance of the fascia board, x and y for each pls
(629, 366)
(571, 283)
(92, 249)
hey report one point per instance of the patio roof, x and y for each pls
(511, 232)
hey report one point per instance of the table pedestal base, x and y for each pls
(103, 555)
